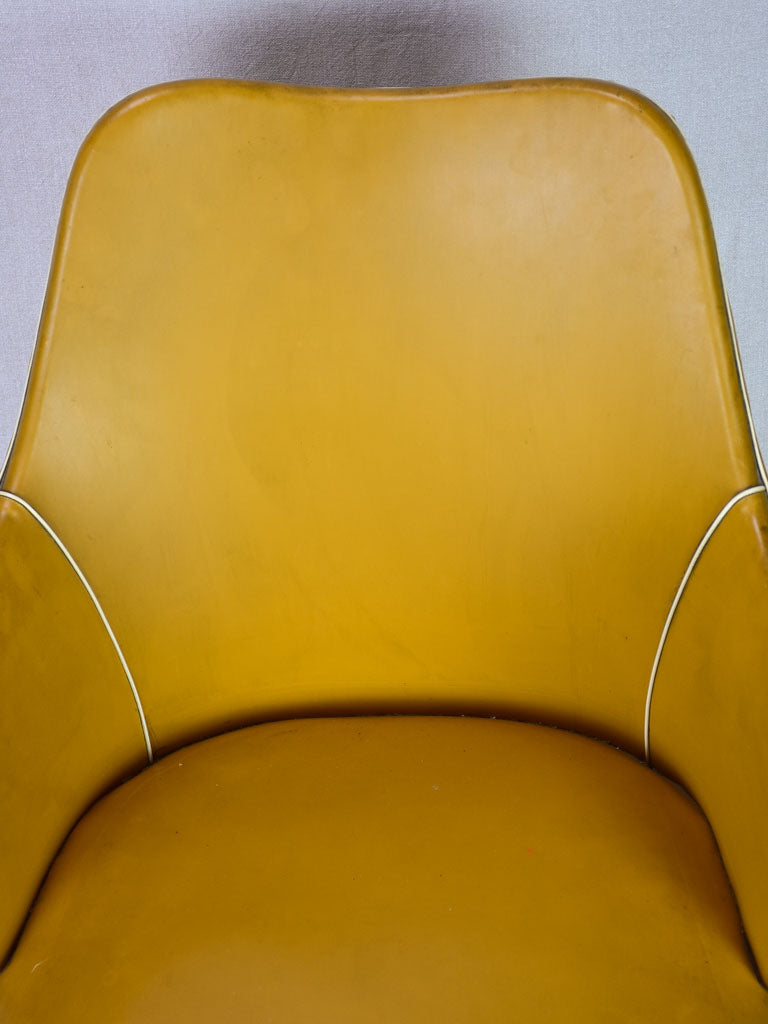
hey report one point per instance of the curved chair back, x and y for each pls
(384, 401)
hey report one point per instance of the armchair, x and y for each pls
(383, 573)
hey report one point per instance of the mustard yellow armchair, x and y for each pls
(383, 574)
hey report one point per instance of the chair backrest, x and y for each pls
(391, 400)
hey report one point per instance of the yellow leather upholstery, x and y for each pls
(413, 401)
(709, 721)
(68, 724)
(354, 400)
(389, 869)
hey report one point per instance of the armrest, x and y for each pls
(709, 717)
(68, 723)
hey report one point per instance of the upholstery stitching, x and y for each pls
(89, 590)
(757, 489)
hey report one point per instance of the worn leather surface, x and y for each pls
(388, 870)
(63, 64)
(369, 400)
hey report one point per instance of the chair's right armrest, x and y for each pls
(68, 724)
(709, 717)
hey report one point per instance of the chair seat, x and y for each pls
(389, 869)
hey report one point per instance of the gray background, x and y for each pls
(63, 63)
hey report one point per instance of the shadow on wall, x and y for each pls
(354, 46)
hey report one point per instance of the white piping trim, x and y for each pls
(743, 388)
(31, 360)
(22, 404)
(89, 590)
(14, 435)
(757, 489)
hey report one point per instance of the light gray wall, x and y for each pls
(63, 63)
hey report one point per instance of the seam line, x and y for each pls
(89, 590)
(743, 388)
(757, 489)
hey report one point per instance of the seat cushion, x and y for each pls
(392, 869)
